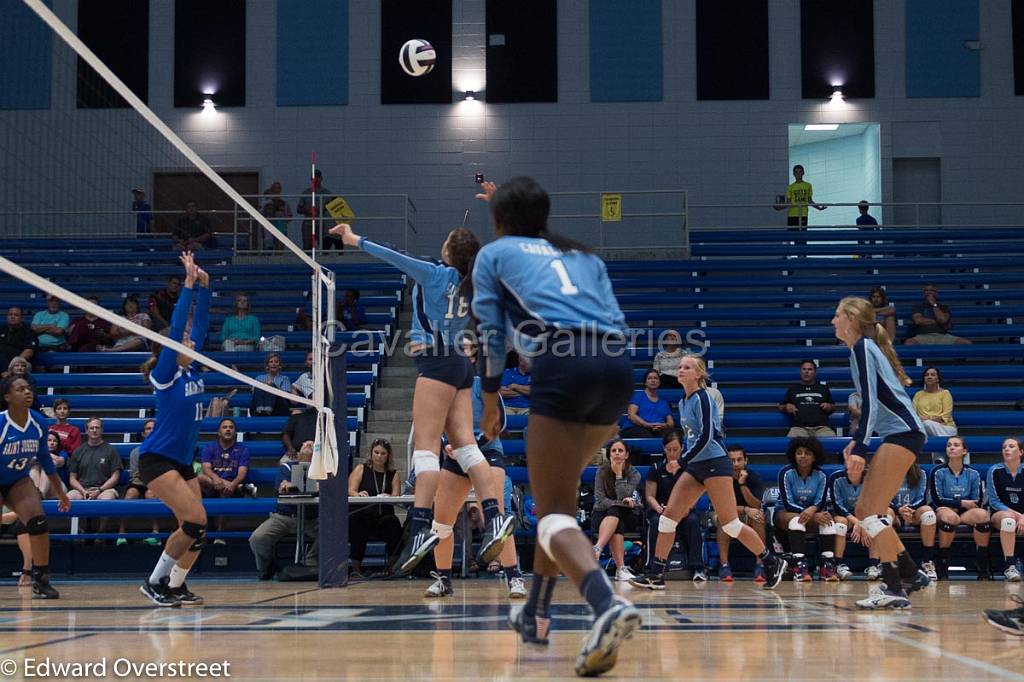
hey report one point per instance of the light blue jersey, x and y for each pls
(179, 392)
(886, 409)
(21, 445)
(698, 417)
(948, 489)
(797, 493)
(524, 289)
(842, 493)
(439, 312)
(912, 496)
(478, 411)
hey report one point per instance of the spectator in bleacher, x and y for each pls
(616, 506)
(282, 522)
(125, 340)
(666, 361)
(934, 405)
(277, 212)
(515, 385)
(241, 330)
(192, 232)
(299, 428)
(749, 489)
(802, 506)
(885, 312)
(136, 489)
(95, 468)
(225, 468)
(853, 405)
(865, 219)
(910, 505)
(16, 338)
(1005, 494)
(661, 478)
(931, 320)
(956, 491)
(648, 416)
(142, 210)
(842, 492)
(265, 404)
(20, 367)
(51, 326)
(88, 331)
(161, 303)
(374, 478)
(59, 456)
(351, 312)
(808, 404)
(307, 209)
(303, 385)
(69, 433)
(799, 195)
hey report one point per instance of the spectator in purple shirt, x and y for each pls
(225, 466)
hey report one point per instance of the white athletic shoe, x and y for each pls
(440, 588)
(874, 572)
(1012, 574)
(929, 570)
(843, 571)
(624, 575)
(600, 650)
(517, 588)
(879, 598)
(597, 553)
(700, 576)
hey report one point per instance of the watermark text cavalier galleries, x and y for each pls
(123, 668)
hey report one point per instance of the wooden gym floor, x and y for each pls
(385, 631)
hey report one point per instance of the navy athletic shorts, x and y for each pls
(493, 457)
(452, 369)
(709, 468)
(578, 381)
(152, 466)
(911, 440)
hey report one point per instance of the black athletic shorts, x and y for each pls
(578, 381)
(629, 520)
(453, 369)
(911, 440)
(6, 489)
(153, 466)
(709, 468)
(493, 457)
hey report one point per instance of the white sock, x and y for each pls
(178, 576)
(162, 568)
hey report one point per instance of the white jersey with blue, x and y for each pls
(885, 408)
(524, 289)
(179, 392)
(699, 420)
(21, 445)
(440, 313)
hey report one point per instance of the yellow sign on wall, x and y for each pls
(339, 209)
(611, 208)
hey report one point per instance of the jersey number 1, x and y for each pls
(568, 288)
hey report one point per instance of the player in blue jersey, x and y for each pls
(707, 468)
(910, 506)
(1005, 492)
(843, 491)
(441, 400)
(956, 491)
(802, 490)
(551, 298)
(887, 411)
(165, 456)
(23, 443)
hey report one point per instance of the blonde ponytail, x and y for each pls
(863, 313)
(885, 344)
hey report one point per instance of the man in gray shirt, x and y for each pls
(95, 466)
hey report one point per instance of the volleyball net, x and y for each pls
(88, 159)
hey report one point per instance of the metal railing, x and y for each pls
(645, 219)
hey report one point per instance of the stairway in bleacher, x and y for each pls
(391, 416)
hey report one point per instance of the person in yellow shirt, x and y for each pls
(934, 405)
(799, 195)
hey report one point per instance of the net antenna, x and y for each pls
(322, 290)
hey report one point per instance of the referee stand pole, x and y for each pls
(334, 491)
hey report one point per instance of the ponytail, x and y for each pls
(863, 313)
(885, 344)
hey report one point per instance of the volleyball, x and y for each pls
(417, 57)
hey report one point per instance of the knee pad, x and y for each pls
(550, 526)
(794, 524)
(1008, 525)
(441, 530)
(841, 529)
(946, 527)
(18, 528)
(666, 525)
(196, 531)
(928, 518)
(468, 456)
(874, 524)
(984, 527)
(425, 460)
(732, 529)
(37, 525)
(827, 529)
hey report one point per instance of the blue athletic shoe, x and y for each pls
(725, 573)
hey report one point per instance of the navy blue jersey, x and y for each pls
(885, 407)
(524, 289)
(797, 494)
(1005, 489)
(948, 489)
(439, 312)
(842, 493)
(699, 420)
(179, 392)
(21, 446)
(910, 496)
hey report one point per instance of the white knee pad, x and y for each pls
(733, 528)
(794, 524)
(929, 518)
(874, 524)
(827, 529)
(425, 460)
(841, 529)
(550, 526)
(468, 456)
(441, 530)
(1008, 525)
(666, 525)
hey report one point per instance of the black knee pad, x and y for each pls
(37, 525)
(18, 528)
(197, 532)
(945, 527)
(984, 527)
